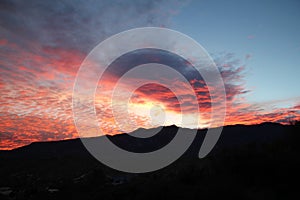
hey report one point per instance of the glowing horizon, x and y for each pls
(42, 49)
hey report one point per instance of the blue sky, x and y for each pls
(268, 31)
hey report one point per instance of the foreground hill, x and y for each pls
(248, 162)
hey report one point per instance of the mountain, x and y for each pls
(244, 164)
(235, 135)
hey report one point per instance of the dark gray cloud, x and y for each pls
(79, 24)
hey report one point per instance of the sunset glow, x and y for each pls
(39, 64)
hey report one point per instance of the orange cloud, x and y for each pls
(36, 98)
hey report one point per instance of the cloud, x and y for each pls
(42, 44)
(37, 94)
(22, 130)
(80, 24)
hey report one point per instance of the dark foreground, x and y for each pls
(249, 162)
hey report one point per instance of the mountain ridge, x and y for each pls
(232, 136)
(142, 129)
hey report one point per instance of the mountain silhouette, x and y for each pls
(234, 135)
(244, 164)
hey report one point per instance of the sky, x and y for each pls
(255, 45)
